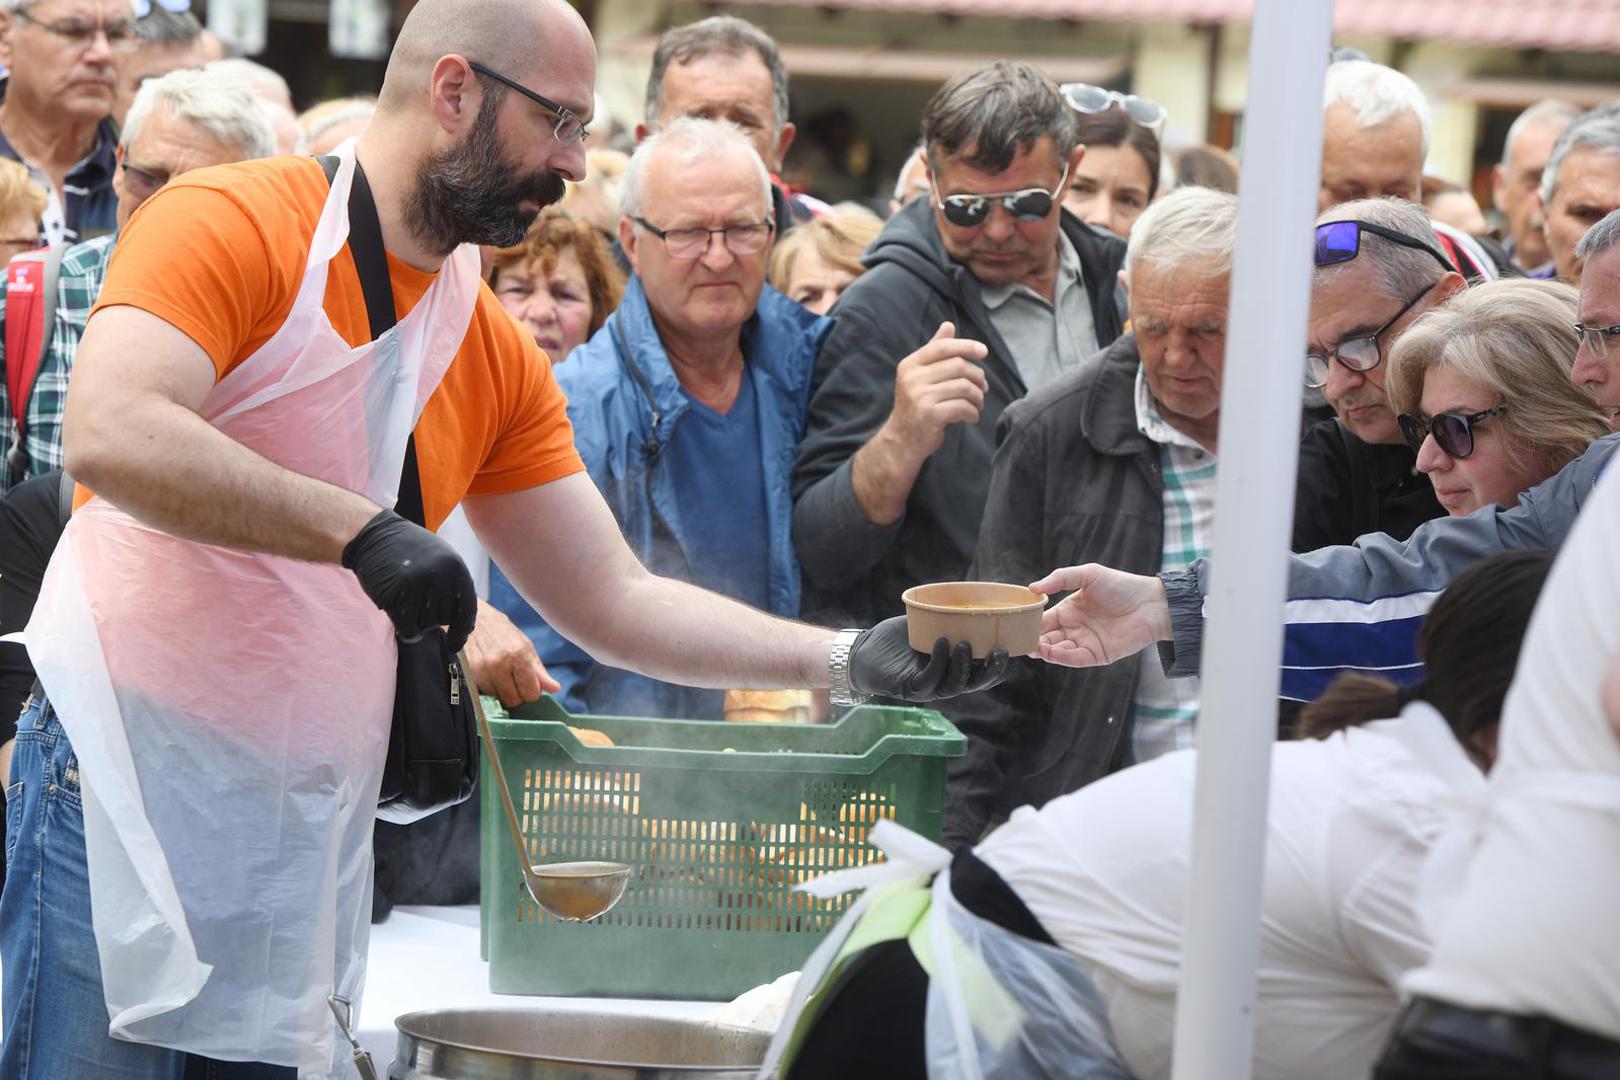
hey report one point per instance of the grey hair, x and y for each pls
(986, 117)
(263, 81)
(1402, 271)
(161, 27)
(357, 109)
(1547, 112)
(718, 35)
(1513, 337)
(693, 142)
(220, 105)
(1377, 95)
(1600, 237)
(920, 150)
(1195, 225)
(1597, 130)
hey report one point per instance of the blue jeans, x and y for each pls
(55, 1015)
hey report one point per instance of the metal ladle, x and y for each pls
(576, 891)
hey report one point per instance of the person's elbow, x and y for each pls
(90, 438)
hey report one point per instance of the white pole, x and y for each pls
(1258, 454)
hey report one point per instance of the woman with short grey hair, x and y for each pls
(1484, 393)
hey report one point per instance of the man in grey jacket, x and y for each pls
(1114, 463)
(1013, 291)
(1356, 607)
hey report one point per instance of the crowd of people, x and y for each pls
(785, 406)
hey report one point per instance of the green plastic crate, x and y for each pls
(717, 821)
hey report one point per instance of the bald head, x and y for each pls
(518, 38)
(471, 155)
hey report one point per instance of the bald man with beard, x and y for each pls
(196, 776)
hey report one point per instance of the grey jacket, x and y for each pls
(1358, 608)
(1074, 481)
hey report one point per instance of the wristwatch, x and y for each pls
(842, 690)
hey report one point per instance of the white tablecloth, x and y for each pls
(427, 958)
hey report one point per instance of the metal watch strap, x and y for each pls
(842, 690)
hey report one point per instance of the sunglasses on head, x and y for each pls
(969, 211)
(1086, 98)
(143, 8)
(1453, 431)
(1340, 241)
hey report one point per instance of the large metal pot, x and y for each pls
(564, 1044)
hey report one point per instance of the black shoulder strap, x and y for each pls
(64, 498)
(371, 263)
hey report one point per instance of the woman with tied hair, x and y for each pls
(560, 282)
(1484, 395)
(818, 260)
(1118, 176)
(1067, 919)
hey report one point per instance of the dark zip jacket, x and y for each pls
(1075, 481)
(854, 570)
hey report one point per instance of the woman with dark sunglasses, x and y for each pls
(1484, 395)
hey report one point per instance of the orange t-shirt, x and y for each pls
(219, 254)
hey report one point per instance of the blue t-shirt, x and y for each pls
(719, 472)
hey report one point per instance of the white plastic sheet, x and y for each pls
(230, 710)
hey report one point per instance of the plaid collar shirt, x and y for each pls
(1165, 710)
(84, 268)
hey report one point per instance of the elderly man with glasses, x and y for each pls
(180, 121)
(56, 104)
(688, 404)
(1379, 267)
(994, 290)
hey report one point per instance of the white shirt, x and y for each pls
(1105, 871)
(1536, 926)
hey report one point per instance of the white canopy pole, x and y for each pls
(1258, 455)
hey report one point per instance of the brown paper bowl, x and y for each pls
(986, 614)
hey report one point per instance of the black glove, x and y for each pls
(416, 578)
(882, 663)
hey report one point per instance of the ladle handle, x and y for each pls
(500, 773)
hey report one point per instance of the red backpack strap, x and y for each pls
(31, 279)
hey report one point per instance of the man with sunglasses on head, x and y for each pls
(1357, 607)
(56, 101)
(974, 297)
(1379, 267)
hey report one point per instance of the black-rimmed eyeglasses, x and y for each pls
(1361, 353)
(567, 129)
(1453, 431)
(694, 243)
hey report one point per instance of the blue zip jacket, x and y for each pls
(1359, 607)
(626, 405)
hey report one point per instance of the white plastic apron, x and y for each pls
(230, 710)
(1000, 1006)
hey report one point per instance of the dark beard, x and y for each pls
(469, 194)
